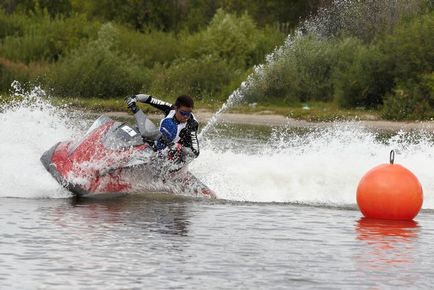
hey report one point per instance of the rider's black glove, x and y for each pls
(131, 103)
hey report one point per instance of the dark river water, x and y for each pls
(163, 242)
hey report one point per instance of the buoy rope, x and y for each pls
(392, 156)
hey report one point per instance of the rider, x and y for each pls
(178, 128)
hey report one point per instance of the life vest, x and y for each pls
(170, 128)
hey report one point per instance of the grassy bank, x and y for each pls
(316, 111)
(313, 111)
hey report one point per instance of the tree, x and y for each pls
(53, 7)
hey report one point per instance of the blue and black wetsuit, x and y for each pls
(173, 131)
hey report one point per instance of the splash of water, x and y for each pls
(321, 167)
(31, 125)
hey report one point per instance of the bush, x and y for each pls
(11, 71)
(9, 25)
(368, 20)
(314, 58)
(410, 48)
(274, 80)
(365, 74)
(411, 59)
(150, 48)
(27, 75)
(410, 100)
(361, 76)
(299, 72)
(45, 39)
(97, 70)
(235, 39)
(203, 78)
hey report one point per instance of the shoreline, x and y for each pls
(278, 120)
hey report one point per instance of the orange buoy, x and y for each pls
(389, 191)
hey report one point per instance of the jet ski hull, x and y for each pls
(98, 165)
(46, 160)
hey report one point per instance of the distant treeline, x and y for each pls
(77, 57)
(379, 55)
(375, 55)
(171, 15)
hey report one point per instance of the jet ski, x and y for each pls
(114, 158)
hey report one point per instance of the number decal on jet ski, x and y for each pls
(129, 130)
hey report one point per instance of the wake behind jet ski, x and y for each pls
(114, 158)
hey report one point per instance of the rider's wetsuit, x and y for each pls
(185, 133)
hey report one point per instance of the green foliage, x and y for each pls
(266, 41)
(275, 11)
(212, 67)
(96, 69)
(354, 73)
(149, 48)
(161, 15)
(53, 8)
(10, 71)
(202, 78)
(428, 80)
(411, 57)
(314, 59)
(366, 73)
(361, 76)
(192, 15)
(234, 39)
(369, 20)
(45, 39)
(380, 52)
(209, 61)
(230, 37)
(410, 101)
(301, 73)
(25, 74)
(410, 47)
(8, 25)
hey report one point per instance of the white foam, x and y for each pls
(29, 127)
(323, 167)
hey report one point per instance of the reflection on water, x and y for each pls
(132, 238)
(157, 213)
(388, 246)
(377, 230)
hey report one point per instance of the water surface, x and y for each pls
(161, 242)
(286, 214)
